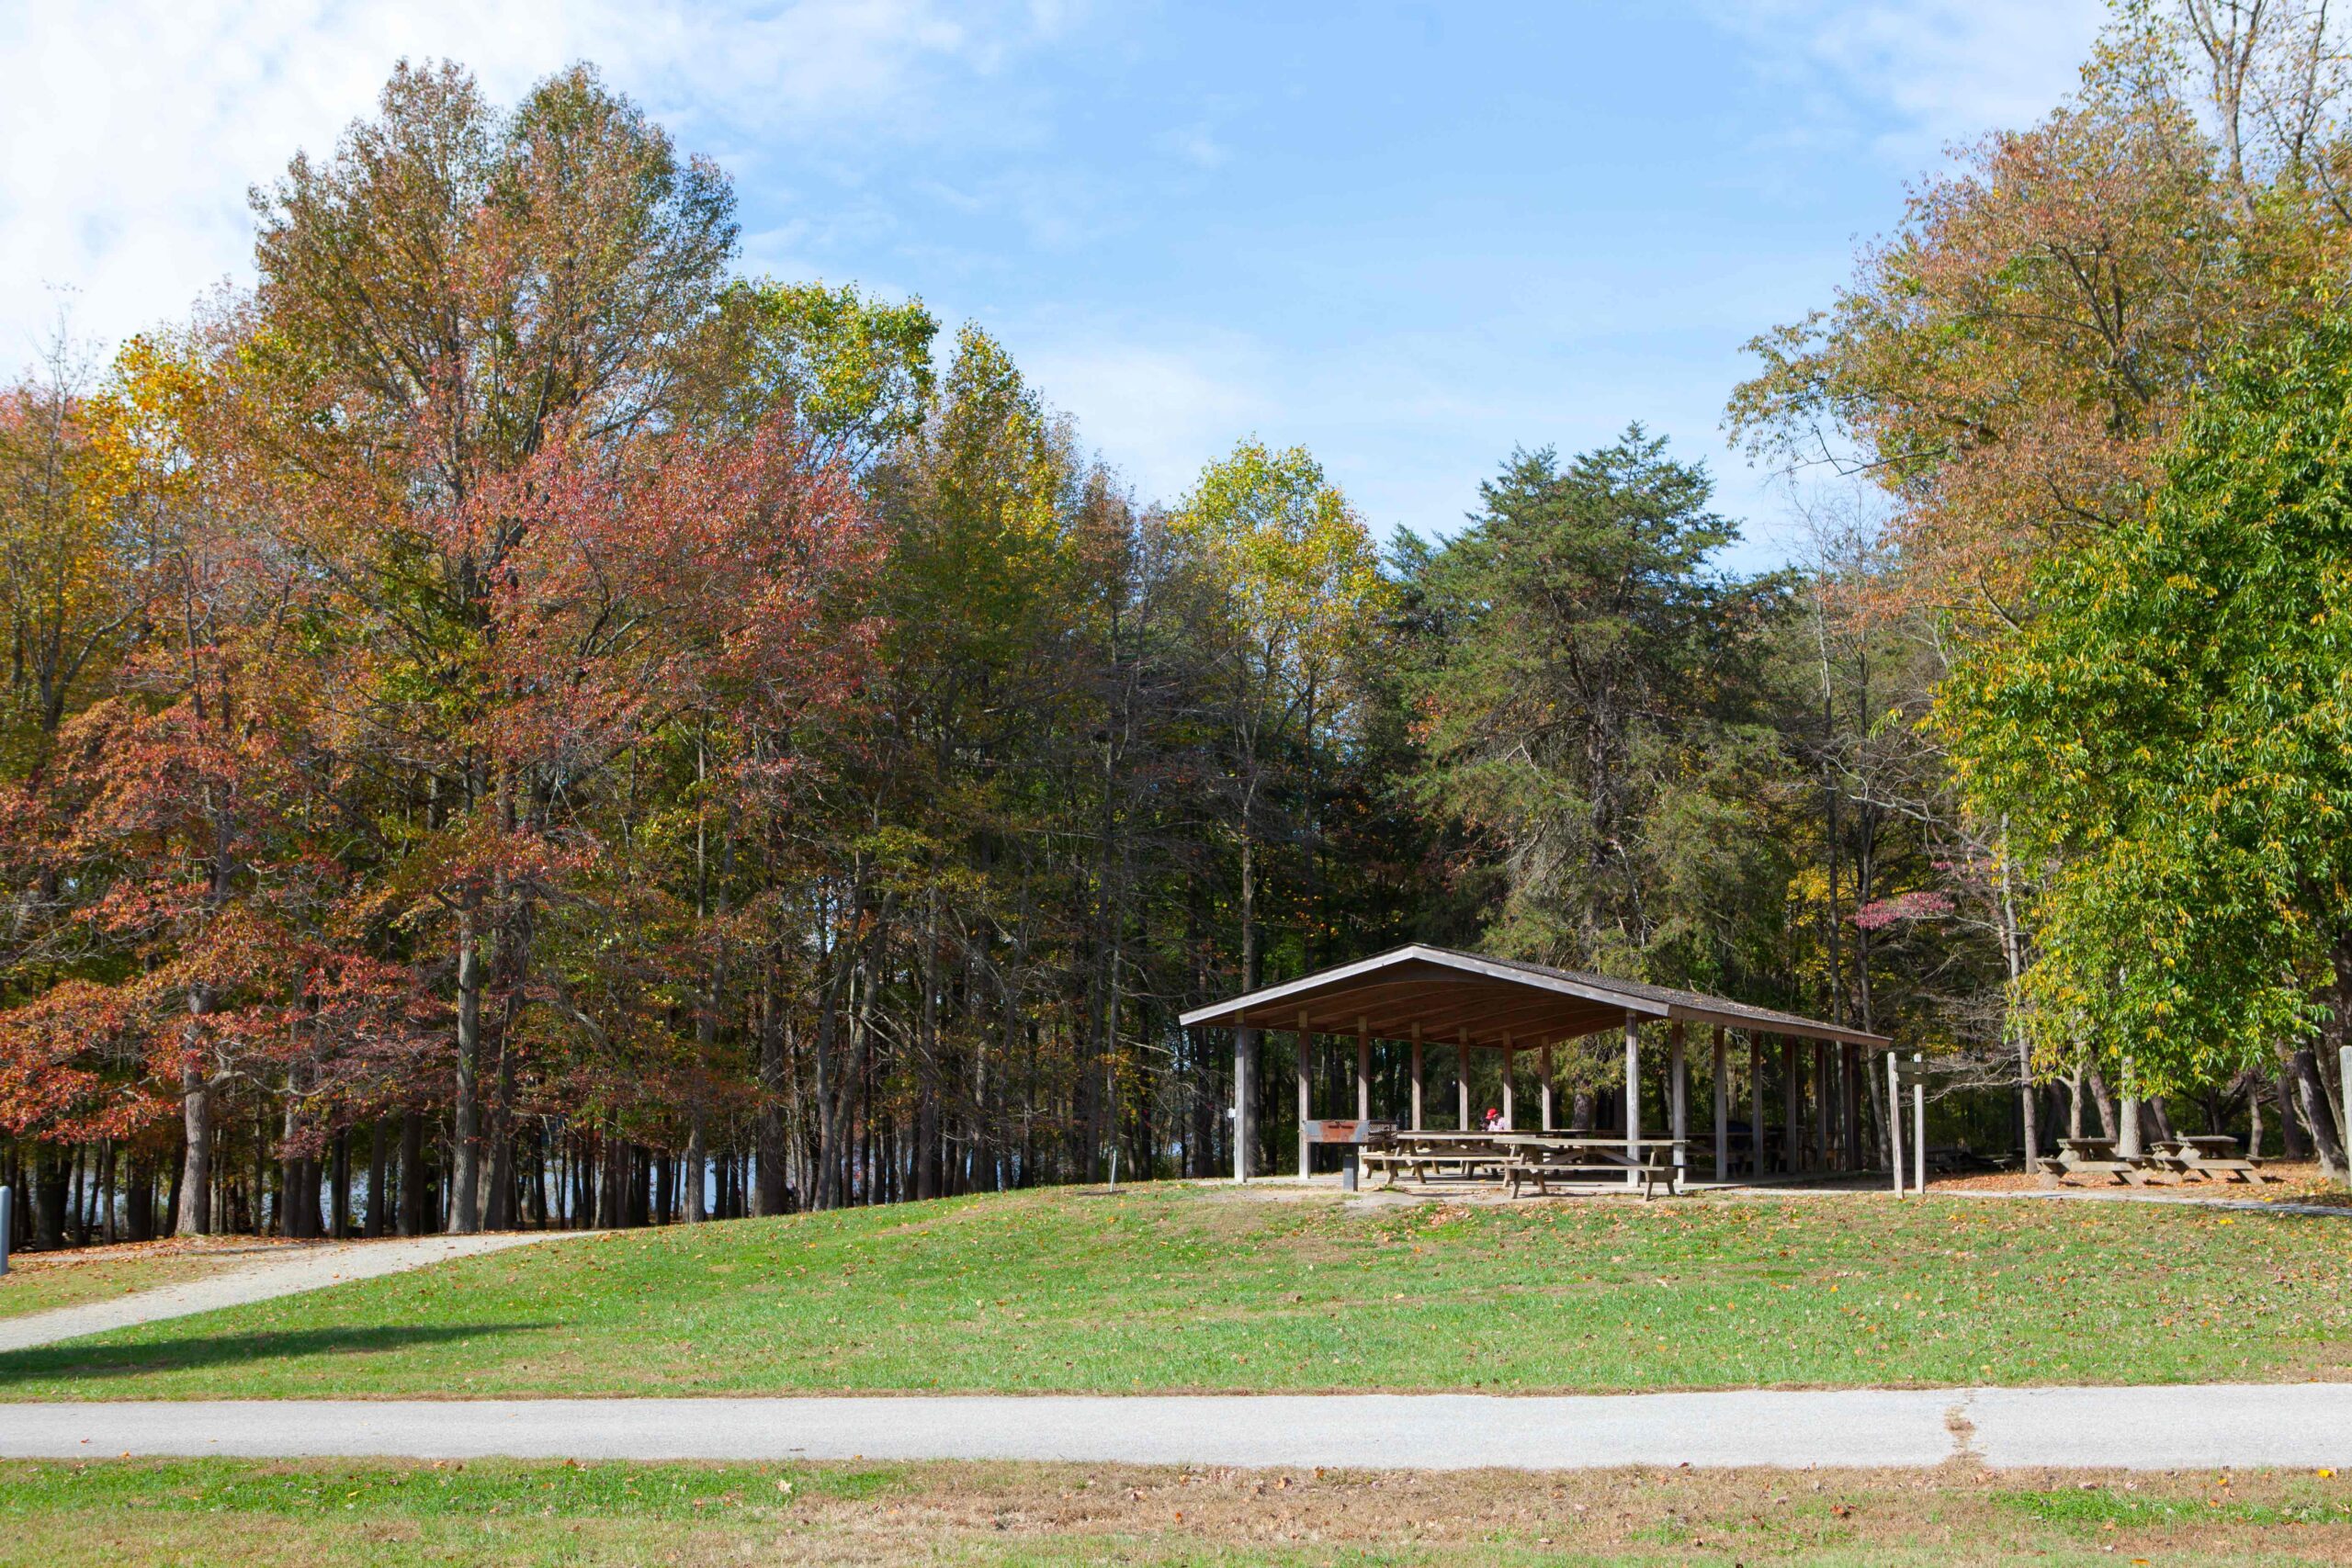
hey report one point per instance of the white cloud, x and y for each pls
(1157, 412)
(130, 130)
(1195, 144)
(1908, 77)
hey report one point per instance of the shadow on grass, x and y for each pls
(49, 1363)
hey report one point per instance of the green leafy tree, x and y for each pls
(856, 371)
(1296, 589)
(1292, 590)
(2173, 734)
(1592, 701)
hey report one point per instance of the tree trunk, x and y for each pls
(498, 1202)
(2029, 1124)
(2291, 1133)
(411, 1173)
(379, 1178)
(775, 1164)
(293, 1221)
(1245, 1038)
(465, 1208)
(195, 1213)
(2310, 1099)
(2108, 1127)
(170, 1218)
(50, 1182)
(926, 1150)
(107, 1173)
(339, 1184)
(138, 1201)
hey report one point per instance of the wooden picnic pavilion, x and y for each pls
(1435, 998)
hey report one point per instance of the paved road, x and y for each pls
(2243, 1425)
(292, 1271)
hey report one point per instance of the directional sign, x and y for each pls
(1351, 1131)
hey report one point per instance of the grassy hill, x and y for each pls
(1176, 1288)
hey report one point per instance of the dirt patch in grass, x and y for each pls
(2299, 1181)
(333, 1514)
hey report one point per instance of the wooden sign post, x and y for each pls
(1918, 1124)
(1914, 1073)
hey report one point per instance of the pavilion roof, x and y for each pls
(1468, 999)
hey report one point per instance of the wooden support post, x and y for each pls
(1723, 1110)
(1416, 1077)
(1364, 1071)
(1678, 1089)
(1632, 1095)
(1511, 1071)
(1305, 1097)
(1823, 1091)
(1462, 1080)
(1851, 1100)
(1755, 1103)
(1894, 1120)
(1245, 1067)
(1544, 1061)
(1793, 1105)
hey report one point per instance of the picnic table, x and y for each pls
(2207, 1156)
(1516, 1160)
(2212, 1156)
(2092, 1156)
(1741, 1149)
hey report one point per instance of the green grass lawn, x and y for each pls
(1183, 1288)
(37, 1282)
(389, 1515)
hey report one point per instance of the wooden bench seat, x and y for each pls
(1656, 1164)
(2249, 1171)
(1415, 1164)
(2119, 1169)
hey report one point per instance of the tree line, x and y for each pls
(511, 721)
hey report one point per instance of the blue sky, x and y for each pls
(1408, 236)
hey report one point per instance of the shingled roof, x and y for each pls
(1466, 999)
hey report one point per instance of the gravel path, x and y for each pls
(2177, 1428)
(293, 1269)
